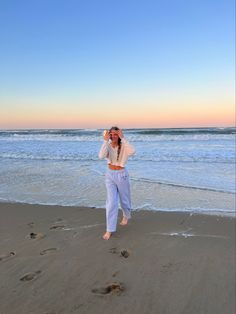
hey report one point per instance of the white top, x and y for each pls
(110, 153)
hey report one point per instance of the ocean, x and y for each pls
(61, 166)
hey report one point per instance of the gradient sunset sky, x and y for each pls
(93, 64)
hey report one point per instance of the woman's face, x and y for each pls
(114, 136)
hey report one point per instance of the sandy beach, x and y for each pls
(53, 260)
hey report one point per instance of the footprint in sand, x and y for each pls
(57, 227)
(113, 250)
(30, 276)
(6, 256)
(113, 288)
(37, 236)
(50, 250)
(124, 253)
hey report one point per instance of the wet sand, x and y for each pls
(53, 260)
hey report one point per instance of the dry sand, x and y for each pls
(53, 260)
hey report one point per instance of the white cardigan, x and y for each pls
(110, 153)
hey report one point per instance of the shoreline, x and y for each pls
(54, 260)
(197, 211)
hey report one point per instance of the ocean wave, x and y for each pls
(65, 132)
(182, 131)
(141, 207)
(143, 159)
(96, 133)
(162, 182)
(46, 157)
(91, 137)
(190, 210)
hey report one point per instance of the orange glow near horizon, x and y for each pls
(155, 117)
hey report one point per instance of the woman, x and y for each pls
(116, 149)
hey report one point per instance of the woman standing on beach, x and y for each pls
(116, 149)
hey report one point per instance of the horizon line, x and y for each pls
(193, 127)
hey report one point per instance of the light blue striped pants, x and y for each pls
(118, 186)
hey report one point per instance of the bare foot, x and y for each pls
(124, 221)
(107, 235)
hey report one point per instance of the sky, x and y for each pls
(132, 63)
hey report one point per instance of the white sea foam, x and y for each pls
(62, 167)
(188, 235)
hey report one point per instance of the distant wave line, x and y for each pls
(80, 158)
(138, 131)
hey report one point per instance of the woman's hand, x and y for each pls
(106, 135)
(120, 133)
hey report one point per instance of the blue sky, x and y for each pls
(98, 55)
